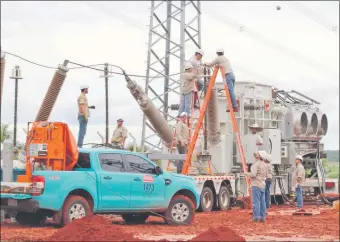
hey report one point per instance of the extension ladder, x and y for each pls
(192, 144)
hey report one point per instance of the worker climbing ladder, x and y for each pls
(190, 125)
(203, 110)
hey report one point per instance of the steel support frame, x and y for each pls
(161, 31)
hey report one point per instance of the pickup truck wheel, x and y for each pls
(224, 198)
(34, 219)
(181, 211)
(135, 218)
(75, 207)
(207, 200)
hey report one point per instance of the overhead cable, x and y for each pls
(265, 40)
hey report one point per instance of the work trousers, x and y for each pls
(259, 203)
(82, 130)
(299, 199)
(267, 192)
(230, 80)
(186, 103)
(180, 163)
(200, 84)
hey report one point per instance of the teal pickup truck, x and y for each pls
(104, 181)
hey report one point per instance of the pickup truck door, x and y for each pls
(147, 188)
(114, 183)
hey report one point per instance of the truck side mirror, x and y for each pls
(158, 170)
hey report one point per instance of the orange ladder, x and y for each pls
(192, 144)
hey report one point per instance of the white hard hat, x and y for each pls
(254, 126)
(263, 154)
(183, 114)
(299, 157)
(187, 66)
(269, 157)
(200, 51)
(220, 50)
(83, 87)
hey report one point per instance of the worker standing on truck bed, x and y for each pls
(83, 114)
(270, 174)
(299, 176)
(182, 139)
(187, 89)
(222, 61)
(258, 175)
(196, 62)
(119, 134)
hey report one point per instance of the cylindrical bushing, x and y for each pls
(151, 112)
(2, 74)
(52, 93)
(213, 119)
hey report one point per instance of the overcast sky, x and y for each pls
(117, 33)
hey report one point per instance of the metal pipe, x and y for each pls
(147, 71)
(106, 73)
(167, 61)
(206, 113)
(52, 93)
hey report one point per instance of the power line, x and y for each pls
(134, 23)
(267, 41)
(314, 16)
(41, 65)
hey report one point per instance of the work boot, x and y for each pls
(262, 221)
(236, 109)
(254, 220)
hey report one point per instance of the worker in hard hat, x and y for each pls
(197, 64)
(252, 141)
(198, 67)
(298, 177)
(187, 89)
(270, 174)
(258, 175)
(83, 114)
(181, 138)
(119, 134)
(223, 62)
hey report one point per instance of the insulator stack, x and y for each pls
(213, 119)
(151, 112)
(52, 93)
(2, 74)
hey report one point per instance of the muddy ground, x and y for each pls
(281, 225)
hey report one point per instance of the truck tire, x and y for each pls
(181, 211)
(207, 200)
(24, 218)
(75, 207)
(223, 198)
(135, 218)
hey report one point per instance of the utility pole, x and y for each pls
(106, 76)
(16, 75)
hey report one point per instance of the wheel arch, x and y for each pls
(83, 193)
(189, 194)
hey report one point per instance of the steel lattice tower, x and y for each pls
(175, 30)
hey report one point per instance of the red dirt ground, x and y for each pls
(280, 224)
